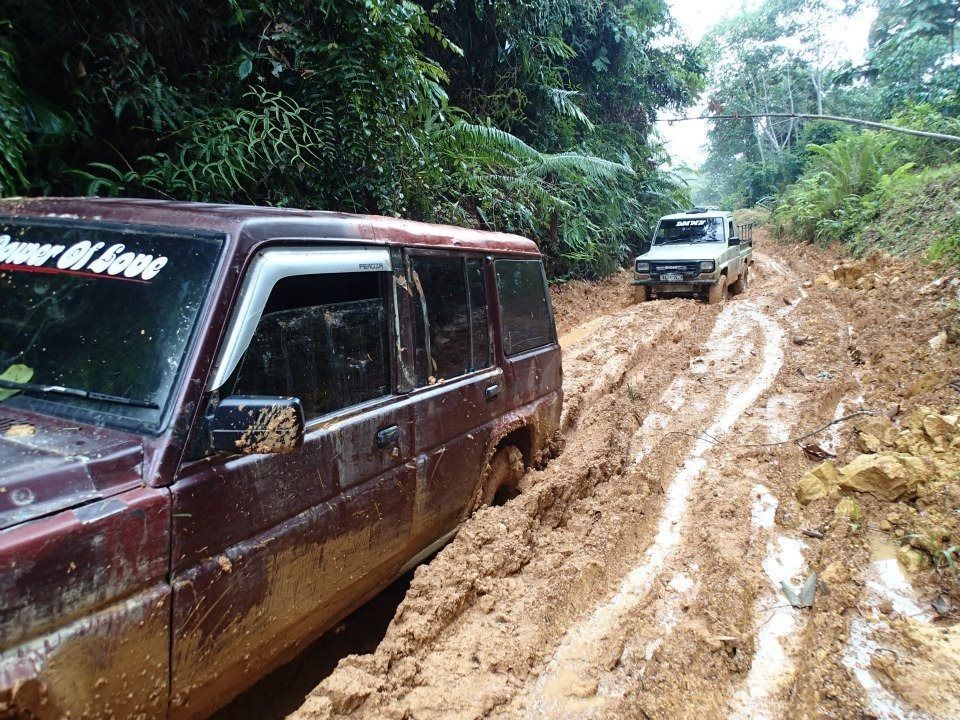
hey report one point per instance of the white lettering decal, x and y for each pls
(153, 268)
(140, 263)
(7, 248)
(88, 253)
(121, 263)
(22, 253)
(105, 260)
(83, 256)
(73, 253)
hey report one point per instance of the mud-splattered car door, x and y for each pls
(460, 389)
(268, 550)
(528, 337)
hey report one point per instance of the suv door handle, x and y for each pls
(388, 436)
(491, 392)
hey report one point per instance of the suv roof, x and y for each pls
(699, 214)
(249, 224)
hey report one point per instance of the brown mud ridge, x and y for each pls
(648, 570)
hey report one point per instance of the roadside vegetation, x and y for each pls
(825, 182)
(877, 191)
(528, 117)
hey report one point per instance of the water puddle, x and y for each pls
(580, 332)
(886, 582)
(777, 622)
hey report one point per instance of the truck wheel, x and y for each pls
(503, 477)
(741, 283)
(718, 291)
(641, 293)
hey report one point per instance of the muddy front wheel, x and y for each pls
(503, 477)
(718, 291)
(740, 285)
(641, 293)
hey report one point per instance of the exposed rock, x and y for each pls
(941, 429)
(847, 509)
(913, 560)
(928, 431)
(860, 275)
(875, 433)
(817, 483)
(938, 341)
(886, 475)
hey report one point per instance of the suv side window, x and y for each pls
(524, 305)
(480, 332)
(451, 328)
(730, 232)
(323, 339)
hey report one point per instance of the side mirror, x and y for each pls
(735, 240)
(252, 424)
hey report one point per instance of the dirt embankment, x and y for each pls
(642, 572)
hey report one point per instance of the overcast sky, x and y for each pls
(685, 140)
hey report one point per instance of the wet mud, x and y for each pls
(643, 572)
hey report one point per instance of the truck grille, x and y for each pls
(687, 269)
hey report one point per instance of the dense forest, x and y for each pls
(529, 116)
(825, 181)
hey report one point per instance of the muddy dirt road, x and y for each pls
(639, 573)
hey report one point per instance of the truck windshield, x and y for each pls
(689, 230)
(95, 321)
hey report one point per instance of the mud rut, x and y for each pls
(637, 575)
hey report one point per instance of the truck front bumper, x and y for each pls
(695, 281)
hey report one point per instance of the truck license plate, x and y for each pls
(671, 277)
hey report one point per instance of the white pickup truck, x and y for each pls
(696, 253)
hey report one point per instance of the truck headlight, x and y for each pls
(643, 266)
(707, 266)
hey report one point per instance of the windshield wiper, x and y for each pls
(76, 392)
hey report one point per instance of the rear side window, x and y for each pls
(480, 331)
(323, 339)
(452, 327)
(524, 305)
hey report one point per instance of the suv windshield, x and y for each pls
(689, 230)
(94, 322)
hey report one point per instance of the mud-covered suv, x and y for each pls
(695, 253)
(224, 428)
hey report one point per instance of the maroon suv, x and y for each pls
(224, 428)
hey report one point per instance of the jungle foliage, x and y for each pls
(882, 190)
(827, 182)
(783, 57)
(527, 116)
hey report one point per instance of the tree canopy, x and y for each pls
(519, 115)
(781, 57)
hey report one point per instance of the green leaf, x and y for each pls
(246, 67)
(15, 373)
